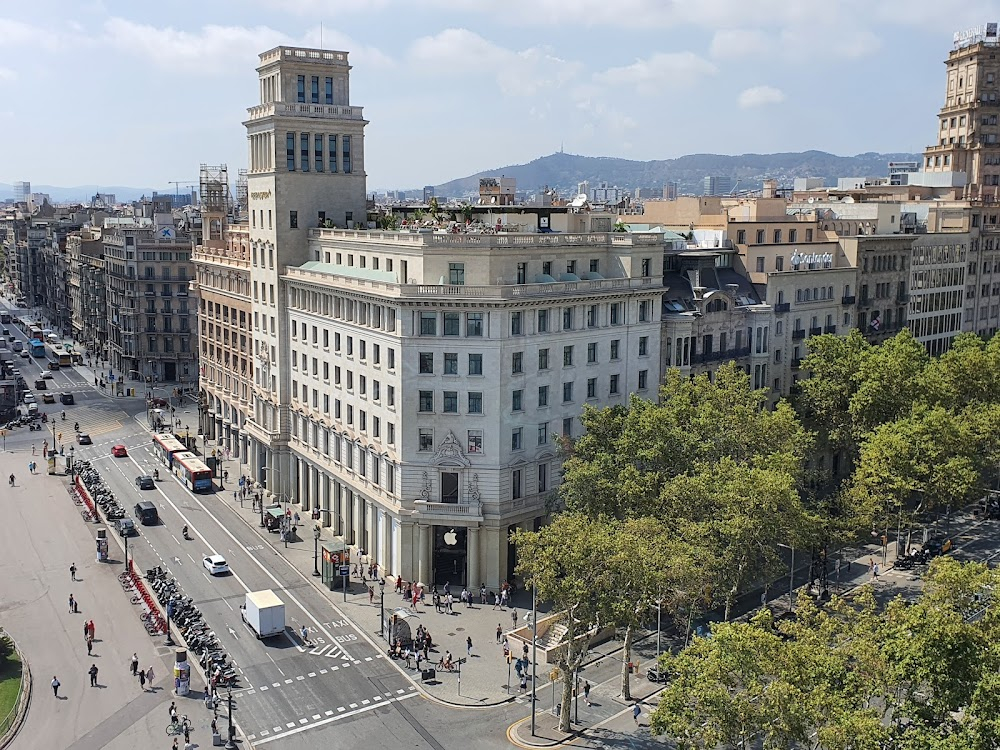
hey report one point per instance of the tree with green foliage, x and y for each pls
(566, 563)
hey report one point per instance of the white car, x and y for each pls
(215, 564)
(29, 398)
(24, 354)
(47, 376)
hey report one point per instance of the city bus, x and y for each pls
(34, 332)
(36, 348)
(165, 447)
(195, 475)
(58, 354)
(5, 318)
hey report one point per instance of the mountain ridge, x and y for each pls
(564, 171)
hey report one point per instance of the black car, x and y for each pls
(67, 398)
(83, 438)
(145, 482)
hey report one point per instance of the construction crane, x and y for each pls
(177, 185)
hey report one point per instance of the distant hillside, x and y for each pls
(564, 171)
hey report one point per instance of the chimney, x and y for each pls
(770, 188)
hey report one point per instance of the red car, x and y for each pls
(119, 451)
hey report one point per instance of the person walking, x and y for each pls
(90, 626)
(11, 480)
(72, 604)
(875, 571)
(499, 633)
(586, 693)
(90, 646)
(513, 618)
(149, 676)
(55, 686)
(635, 713)
(468, 646)
(142, 679)
(93, 675)
(134, 663)
(72, 572)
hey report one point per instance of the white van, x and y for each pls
(18, 345)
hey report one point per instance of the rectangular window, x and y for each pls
(329, 90)
(567, 392)
(614, 349)
(516, 320)
(475, 364)
(517, 363)
(760, 265)
(592, 316)
(543, 433)
(567, 319)
(516, 435)
(314, 89)
(567, 356)
(613, 385)
(517, 400)
(474, 324)
(543, 477)
(616, 313)
(331, 153)
(318, 153)
(643, 376)
(345, 149)
(522, 273)
(301, 92)
(475, 441)
(391, 395)
(591, 387)
(451, 363)
(426, 363)
(293, 219)
(644, 267)
(428, 324)
(304, 154)
(456, 274)
(450, 404)
(516, 485)
(475, 402)
(567, 427)
(543, 395)
(592, 352)
(390, 435)
(426, 401)
(543, 359)
(543, 321)
(643, 346)
(425, 439)
(290, 151)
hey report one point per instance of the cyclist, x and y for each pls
(64, 415)
(76, 426)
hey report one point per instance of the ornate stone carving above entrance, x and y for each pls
(450, 451)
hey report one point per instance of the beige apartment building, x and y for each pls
(968, 137)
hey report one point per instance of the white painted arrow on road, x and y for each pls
(232, 632)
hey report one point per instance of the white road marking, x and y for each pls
(332, 719)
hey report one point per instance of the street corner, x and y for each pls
(545, 734)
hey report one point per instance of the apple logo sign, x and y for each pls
(450, 538)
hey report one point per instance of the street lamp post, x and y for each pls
(381, 607)
(72, 465)
(170, 640)
(791, 577)
(126, 553)
(316, 534)
(534, 655)
(231, 743)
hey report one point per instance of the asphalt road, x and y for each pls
(289, 688)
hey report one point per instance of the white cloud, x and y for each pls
(759, 96)
(738, 43)
(659, 71)
(211, 49)
(6, 75)
(525, 72)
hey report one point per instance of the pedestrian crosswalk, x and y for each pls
(92, 421)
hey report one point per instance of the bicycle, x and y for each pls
(177, 727)
(87, 515)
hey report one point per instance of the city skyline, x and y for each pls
(733, 77)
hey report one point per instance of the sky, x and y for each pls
(141, 93)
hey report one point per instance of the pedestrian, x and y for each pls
(875, 570)
(635, 713)
(92, 633)
(506, 648)
(496, 603)
(499, 633)
(175, 746)
(305, 634)
(173, 712)
(72, 572)
(187, 734)
(72, 604)
(33, 449)
(55, 686)
(468, 646)
(513, 618)
(447, 588)
(371, 595)
(93, 675)
(134, 663)
(871, 565)
(503, 599)
(586, 693)
(90, 645)
(524, 682)
(150, 676)
(11, 480)
(142, 679)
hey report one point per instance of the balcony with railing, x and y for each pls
(799, 333)
(796, 364)
(815, 331)
(783, 307)
(848, 299)
(829, 329)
